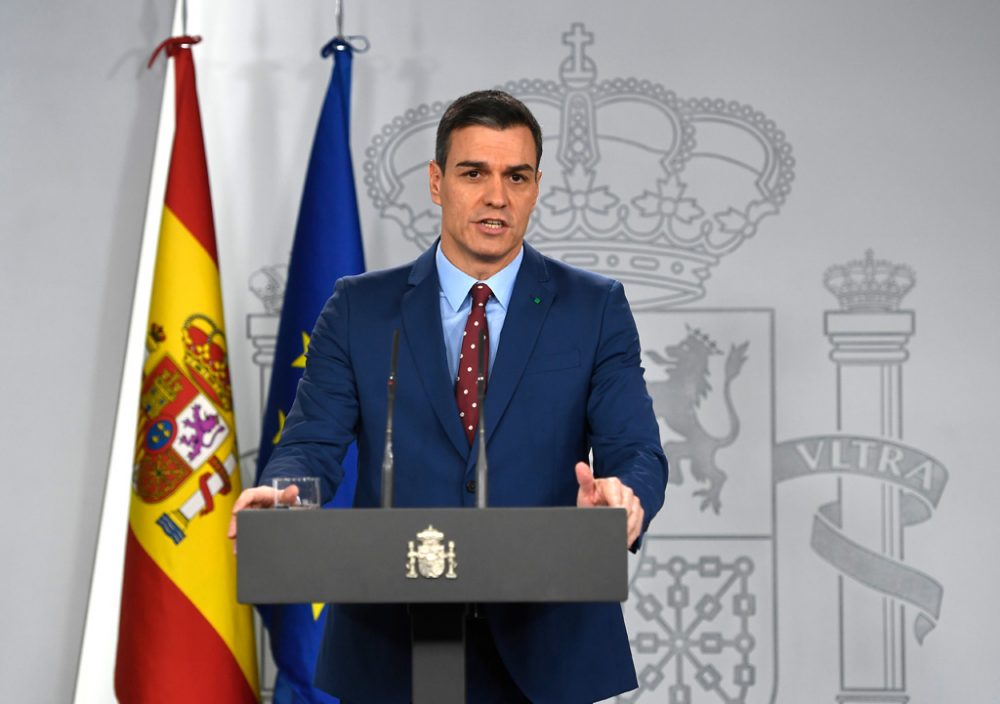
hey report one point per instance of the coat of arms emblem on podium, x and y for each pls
(430, 558)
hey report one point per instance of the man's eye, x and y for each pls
(472, 173)
(518, 178)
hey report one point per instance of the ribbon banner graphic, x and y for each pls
(921, 480)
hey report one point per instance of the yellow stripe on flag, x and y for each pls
(201, 564)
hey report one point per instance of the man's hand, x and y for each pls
(259, 497)
(609, 492)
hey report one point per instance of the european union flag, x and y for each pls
(327, 246)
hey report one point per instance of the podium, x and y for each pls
(440, 561)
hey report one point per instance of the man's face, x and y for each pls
(486, 192)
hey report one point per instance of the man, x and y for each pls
(564, 377)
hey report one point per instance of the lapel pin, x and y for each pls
(536, 300)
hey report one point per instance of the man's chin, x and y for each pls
(486, 255)
(497, 255)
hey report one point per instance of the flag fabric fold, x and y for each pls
(326, 246)
(182, 634)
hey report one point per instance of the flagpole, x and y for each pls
(95, 671)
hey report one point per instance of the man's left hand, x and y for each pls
(609, 491)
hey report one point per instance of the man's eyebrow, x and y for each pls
(483, 166)
(519, 167)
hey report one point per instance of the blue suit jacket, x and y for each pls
(566, 378)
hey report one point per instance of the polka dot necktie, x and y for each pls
(468, 360)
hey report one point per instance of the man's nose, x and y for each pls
(496, 192)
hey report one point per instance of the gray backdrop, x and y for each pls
(78, 117)
(731, 162)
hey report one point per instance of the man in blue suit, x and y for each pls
(564, 379)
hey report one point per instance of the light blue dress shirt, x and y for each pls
(456, 304)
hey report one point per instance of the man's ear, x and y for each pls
(434, 176)
(538, 181)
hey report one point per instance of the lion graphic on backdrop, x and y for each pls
(676, 401)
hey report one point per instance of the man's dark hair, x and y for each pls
(489, 108)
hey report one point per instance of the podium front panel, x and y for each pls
(432, 555)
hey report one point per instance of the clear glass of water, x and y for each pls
(308, 492)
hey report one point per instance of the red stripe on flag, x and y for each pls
(188, 194)
(167, 651)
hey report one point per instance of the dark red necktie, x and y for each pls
(468, 361)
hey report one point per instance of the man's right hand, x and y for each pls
(259, 497)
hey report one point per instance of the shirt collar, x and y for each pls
(455, 283)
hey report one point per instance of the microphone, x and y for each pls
(387, 458)
(482, 469)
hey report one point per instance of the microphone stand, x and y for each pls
(387, 458)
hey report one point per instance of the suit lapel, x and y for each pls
(421, 312)
(520, 332)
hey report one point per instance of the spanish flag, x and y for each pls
(182, 635)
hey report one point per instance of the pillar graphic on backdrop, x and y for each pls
(267, 284)
(655, 190)
(869, 337)
(883, 486)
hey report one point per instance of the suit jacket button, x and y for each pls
(470, 486)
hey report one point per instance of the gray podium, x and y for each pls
(439, 561)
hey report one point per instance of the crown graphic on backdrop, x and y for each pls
(268, 284)
(646, 187)
(869, 285)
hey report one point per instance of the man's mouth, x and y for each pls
(493, 224)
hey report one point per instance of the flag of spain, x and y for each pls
(182, 636)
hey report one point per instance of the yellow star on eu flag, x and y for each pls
(281, 426)
(300, 361)
(317, 611)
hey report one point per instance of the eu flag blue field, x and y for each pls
(327, 246)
